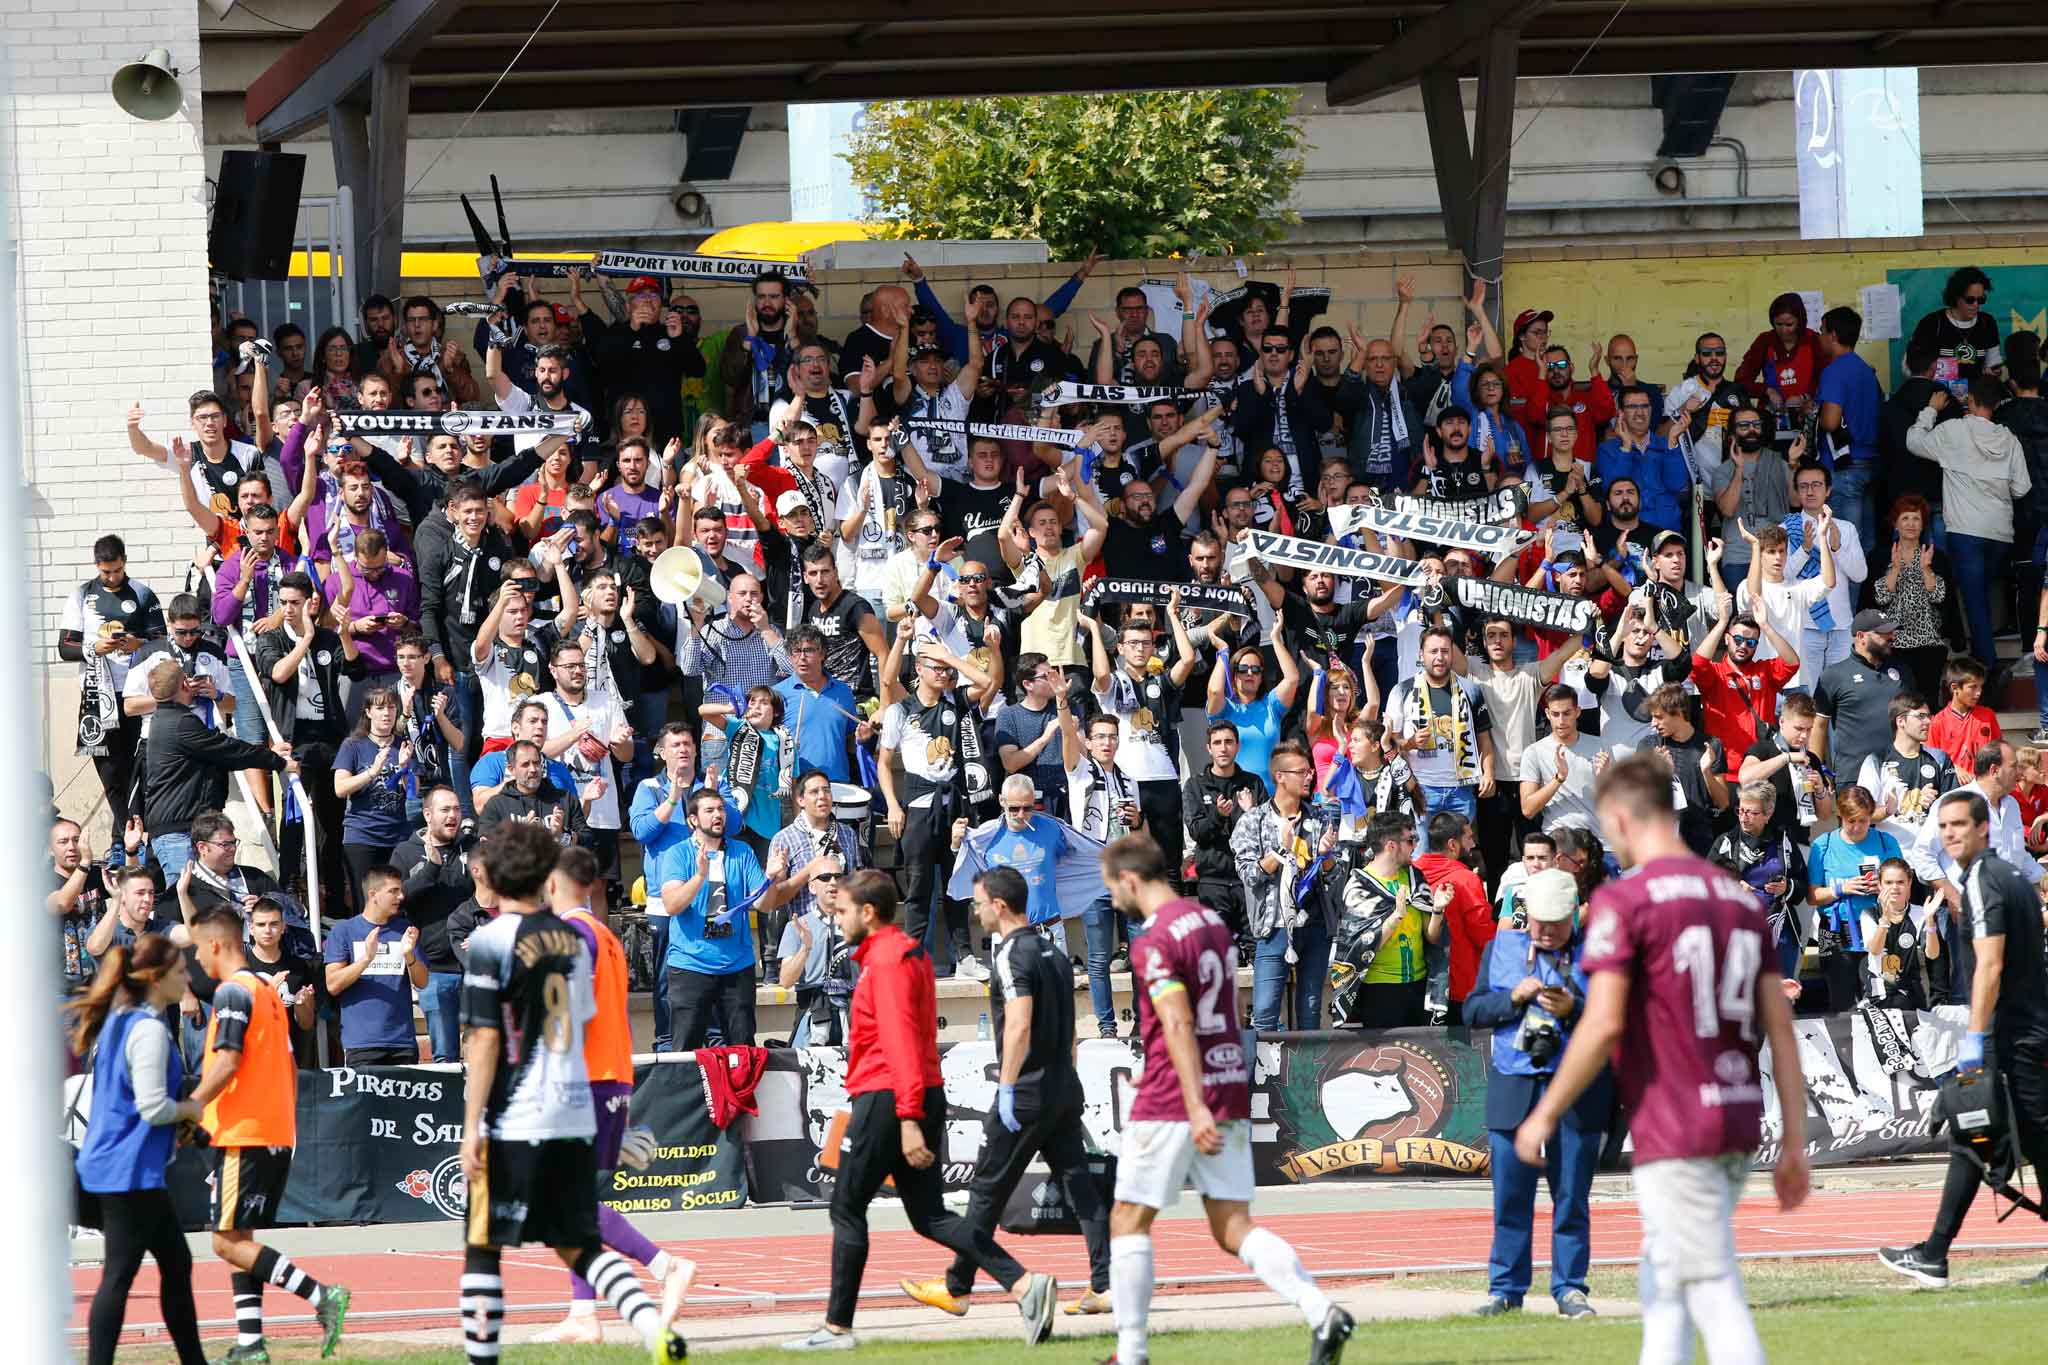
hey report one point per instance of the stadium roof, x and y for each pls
(608, 54)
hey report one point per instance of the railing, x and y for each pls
(239, 658)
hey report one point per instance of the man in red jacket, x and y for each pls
(899, 1119)
(1459, 905)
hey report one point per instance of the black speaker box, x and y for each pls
(255, 214)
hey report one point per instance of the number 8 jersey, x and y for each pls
(529, 978)
(1693, 943)
(1187, 948)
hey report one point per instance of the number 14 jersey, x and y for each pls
(529, 977)
(1187, 948)
(1692, 942)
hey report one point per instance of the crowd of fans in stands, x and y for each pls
(1797, 582)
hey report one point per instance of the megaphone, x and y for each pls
(149, 89)
(678, 578)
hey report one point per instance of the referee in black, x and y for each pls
(1999, 969)
(1038, 1100)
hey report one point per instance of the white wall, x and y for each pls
(110, 215)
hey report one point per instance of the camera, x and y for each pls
(1538, 1037)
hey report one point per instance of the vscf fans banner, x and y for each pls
(1353, 1106)
(1200, 596)
(458, 423)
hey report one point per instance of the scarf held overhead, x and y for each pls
(457, 423)
(1125, 395)
(998, 431)
(630, 263)
(1433, 530)
(1337, 559)
(1199, 596)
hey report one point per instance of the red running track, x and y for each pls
(410, 1289)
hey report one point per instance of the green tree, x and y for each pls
(1138, 175)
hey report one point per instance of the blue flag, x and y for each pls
(1343, 783)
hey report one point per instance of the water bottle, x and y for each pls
(981, 1030)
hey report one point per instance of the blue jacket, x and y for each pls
(658, 841)
(1513, 1085)
(1658, 470)
(122, 1151)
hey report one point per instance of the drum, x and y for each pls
(851, 804)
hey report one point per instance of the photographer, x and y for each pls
(1998, 961)
(1530, 992)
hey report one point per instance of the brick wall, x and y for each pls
(110, 220)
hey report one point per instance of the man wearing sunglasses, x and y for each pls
(1590, 400)
(1739, 692)
(1705, 397)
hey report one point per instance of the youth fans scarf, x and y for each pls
(1420, 717)
(1125, 395)
(458, 423)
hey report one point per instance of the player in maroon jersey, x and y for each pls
(1192, 1115)
(1682, 983)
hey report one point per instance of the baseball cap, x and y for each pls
(791, 501)
(1550, 895)
(920, 352)
(1663, 538)
(643, 284)
(1530, 315)
(1871, 619)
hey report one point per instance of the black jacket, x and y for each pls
(511, 804)
(443, 585)
(424, 489)
(433, 892)
(1905, 472)
(467, 919)
(2027, 418)
(1211, 832)
(189, 763)
(330, 666)
(646, 361)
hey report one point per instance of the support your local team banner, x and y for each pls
(457, 423)
(1201, 596)
(383, 1145)
(1065, 437)
(732, 270)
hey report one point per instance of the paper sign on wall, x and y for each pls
(1879, 304)
(1816, 304)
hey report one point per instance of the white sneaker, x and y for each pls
(822, 1339)
(972, 969)
(579, 1328)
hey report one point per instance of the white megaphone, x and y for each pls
(148, 89)
(678, 578)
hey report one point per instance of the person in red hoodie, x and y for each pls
(1528, 393)
(1782, 366)
(899, 1119)
(1459, 905)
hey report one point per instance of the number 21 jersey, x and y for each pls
(1188, 948)
(1692, 942)
(529, 978)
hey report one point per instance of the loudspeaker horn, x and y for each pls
(148, 89)
(678, 577)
